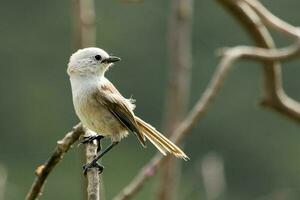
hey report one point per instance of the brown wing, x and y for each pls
(110, 97)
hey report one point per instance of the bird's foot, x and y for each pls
(91, 165)
(90, 139)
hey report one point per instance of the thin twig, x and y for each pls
(178, 88)
(43, 171)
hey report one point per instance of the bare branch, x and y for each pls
(43, 171)
(228, 58)
(184, 127)
(178, 89)
(273, 21)
(274, 95)
(180, 57)
(85, 23)
(256, 53)
(93, 187)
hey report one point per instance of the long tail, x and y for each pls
(163, 144)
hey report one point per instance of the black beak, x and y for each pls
(111, 59)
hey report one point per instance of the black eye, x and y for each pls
(98, 57)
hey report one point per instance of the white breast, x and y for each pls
(93, 115)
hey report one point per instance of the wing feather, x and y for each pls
(120, 108)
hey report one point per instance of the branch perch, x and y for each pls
(93, 176)
(43, 171)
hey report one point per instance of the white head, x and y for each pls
(90, 61)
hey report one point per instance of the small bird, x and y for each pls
(102, 109)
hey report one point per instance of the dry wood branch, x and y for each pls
(178, 89)
(256, 53)
(180, 57)
(85, 23)
(279, 100)
(43, 171)
(183, 129)
(273, 21)
(273, 94)
(93, 187)
(229, 56)
(256, 29)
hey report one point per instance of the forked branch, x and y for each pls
(253, 15)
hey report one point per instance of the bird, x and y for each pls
(102, 109)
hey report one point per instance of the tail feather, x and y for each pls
(163, 144)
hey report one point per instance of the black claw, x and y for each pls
(90, 139)
(94, 163)
(91, 165)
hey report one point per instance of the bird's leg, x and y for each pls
(94, 163)
(91, 165)
(89, 139)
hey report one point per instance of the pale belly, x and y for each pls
(97, 118)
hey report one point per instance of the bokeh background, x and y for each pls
(259, 149)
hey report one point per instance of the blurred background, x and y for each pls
(254, 151)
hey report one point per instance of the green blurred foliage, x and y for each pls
(260, 148)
